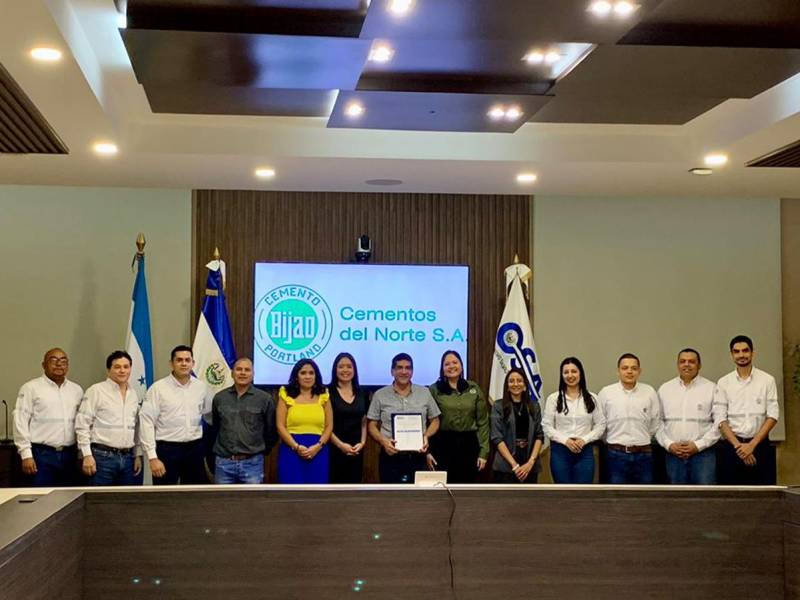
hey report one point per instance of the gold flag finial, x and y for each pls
(516, 259)
(216, 253)
(140, 242)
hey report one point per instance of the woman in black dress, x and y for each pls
(350, 404)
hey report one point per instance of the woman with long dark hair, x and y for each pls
(304, 420)
(349, 403)
(461, 446)
(516, 432)
(573, 420)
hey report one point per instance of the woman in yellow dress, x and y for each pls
(305, 422)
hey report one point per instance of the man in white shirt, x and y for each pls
(687, 430)
(44, 424)
(746, 405)
(170, 423)
(107, 427)
(632, 419)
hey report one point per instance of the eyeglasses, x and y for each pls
(53, 360)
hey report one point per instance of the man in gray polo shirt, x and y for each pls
(401, 397)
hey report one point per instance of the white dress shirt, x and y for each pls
(632, 416)
(576, 423)
(105, 418)
(687, 413)
(173, 412)
(45, 414)
(746, 403)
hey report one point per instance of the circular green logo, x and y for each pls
(295, 324)
(292, 322)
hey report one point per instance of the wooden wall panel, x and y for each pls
(484, 232)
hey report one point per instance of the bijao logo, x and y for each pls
(292, 322)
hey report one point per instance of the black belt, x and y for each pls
(104, 448)
(53, 448)
(644, 449)
(167, 443)
(744, 440)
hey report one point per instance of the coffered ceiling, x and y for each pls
(474, 92)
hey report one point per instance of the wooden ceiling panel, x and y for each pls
(340, 18)
(432, 111)
(245, 60)
(679, 72)
(659, 109)
(548, 20)
(215, 100)
(720, 23)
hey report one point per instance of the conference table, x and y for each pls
(381, 541)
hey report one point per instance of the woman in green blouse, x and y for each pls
(461, 446)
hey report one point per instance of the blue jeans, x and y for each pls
(568, 467)
(247, 470)
(700, 469)
(55, 468)
(114, 469)
(631, 467)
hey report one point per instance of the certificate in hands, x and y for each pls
(407, 431)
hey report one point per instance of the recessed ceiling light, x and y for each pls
(381, 53)
(265, 173)
(44, 54)
(624, 8)
(496, 113)
(400, 7)
(526, 178)
(553, 56)
(700, 171)
(105, 148)
(513, 113)
(534, 57)
(354, 109)
(600, 7)
(715, 160)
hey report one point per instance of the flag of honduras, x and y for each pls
(213, 349)
(139, 344)
(513, 346)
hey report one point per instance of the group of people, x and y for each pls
(712, 433)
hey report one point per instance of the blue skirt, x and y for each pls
(294, 469)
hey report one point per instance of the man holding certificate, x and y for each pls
(402, 417)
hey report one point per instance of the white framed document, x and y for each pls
(407, 431)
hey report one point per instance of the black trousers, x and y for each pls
(457, 453)
(183, 461)
(731, 469)
(345, 469)
(400, 468)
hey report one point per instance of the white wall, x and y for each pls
(66, 277)
(651, 276)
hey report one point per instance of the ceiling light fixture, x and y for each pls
(552, 57)
(513, 113)
(497, 113)
(534, 57)
(44, 54)
(381, 53)
(700, 171)
(624, 8)
(354, 109)
(600, 7)
(400, 8)
(715, 160)
(265, 173)
(105, 148)
(526, 178)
